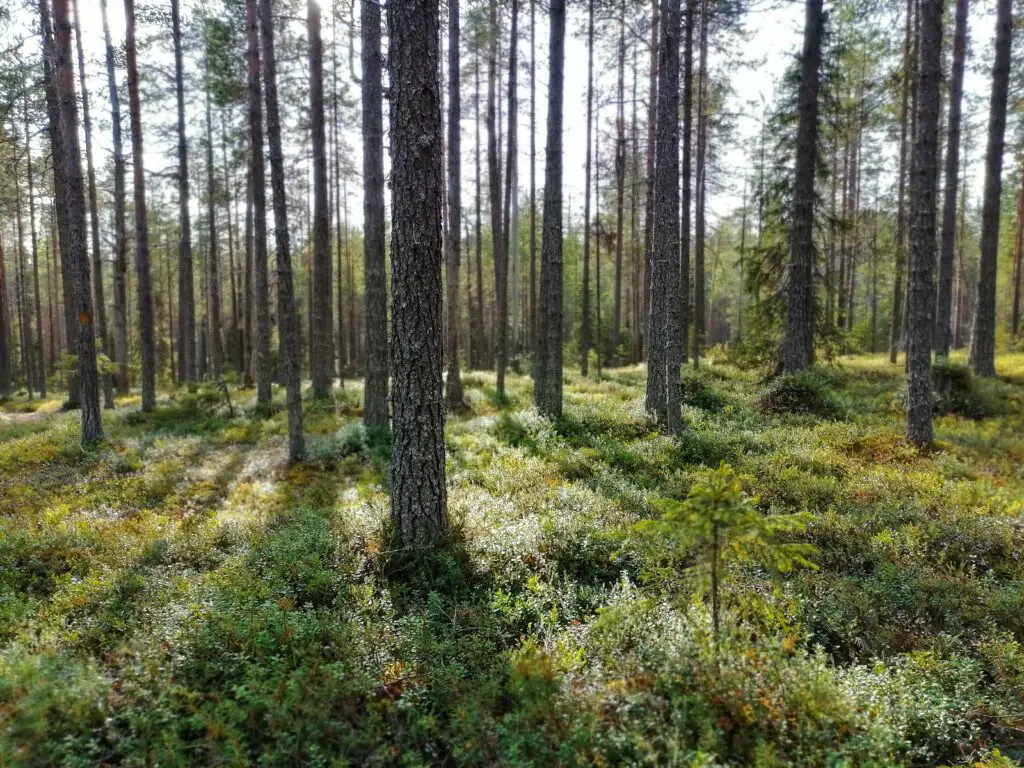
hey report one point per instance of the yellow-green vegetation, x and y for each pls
(180, 596)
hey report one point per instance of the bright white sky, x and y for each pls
(773, 38)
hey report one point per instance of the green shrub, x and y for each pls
(806, 392)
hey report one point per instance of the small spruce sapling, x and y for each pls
(719, 524)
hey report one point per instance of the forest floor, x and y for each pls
(181, 596)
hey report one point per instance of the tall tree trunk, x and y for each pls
(797, 351)
(321, 343)
(375, 406)
(548, 373)
(498, 240)
(213, 268)
(20, 291)
(340, 243)
(249, 310)
(453, 384)
(1018, 256)
(120, 240)
(665, 342)
(508, 233)
(901, 238)
(74, 202)
(237, 338)
(290, 349)
(635, 257)
(943, 311)
(186, 300)
(652, 122)
(70, 325)
(983, 339)
(6, 373)
(257, 174)
(478, 312)
(620, 189)
(39, 358)
(585, 325)
(418, 493)
(533, 177)
(687, 179)
(144, 286)
(921, 286)
(700, 203)
(94, 220)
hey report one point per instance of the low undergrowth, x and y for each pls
(181, 596)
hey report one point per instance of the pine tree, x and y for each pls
(74, 202)
(143, 280)
(797, 350)
(418, 493)
(548, 364)
(983, 338)
(375, 405)
(920, 286)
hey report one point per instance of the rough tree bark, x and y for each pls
(983, 338)
(213, 267)
(120, 241)
(901, 239)
(321, 343)
(74, 202)
(797, 350)
(700, 201)
(418, 492)
(375, 405)
(944, 309)
(548, 364)
(498, 239)
(94, 220)
(920, 286)
(453, 382)
(186, 292)
(585, 299)
(143, 279)
(257, 178)
(290, 350)
(664, 339)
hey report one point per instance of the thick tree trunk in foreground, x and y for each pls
(375, 404)
(321, 342)
(418, 493)
(548, 368)
(983, 339)
(797, 351)
(944, 309)
(257, 176)
(74, 202)
(920, 286)
(665, 342)
(143, 280)
(453, 383)
(290, 349)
